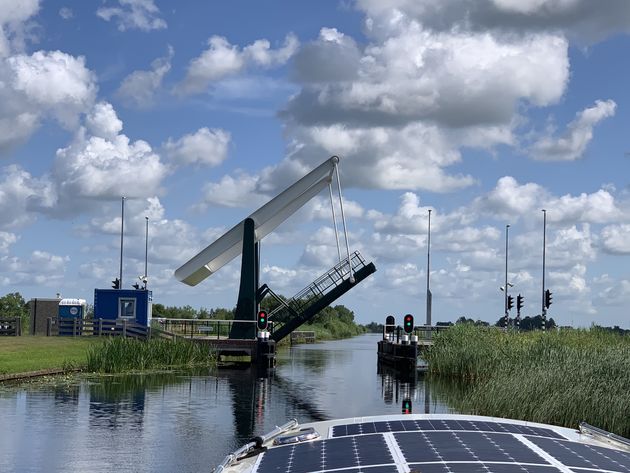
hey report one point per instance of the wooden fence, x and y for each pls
(103, 328)
(11, 327)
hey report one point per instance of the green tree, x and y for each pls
(13, 306)
(223, 314)
(374, 327)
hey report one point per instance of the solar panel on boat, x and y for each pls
(437, 424)
(332, 454)
(577, 455)
(442, 446)
(485, 468)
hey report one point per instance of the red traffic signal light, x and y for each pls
(408, 323)
(262, 320)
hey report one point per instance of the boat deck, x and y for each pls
(435, 443)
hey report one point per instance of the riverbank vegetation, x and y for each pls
(334, 323)
(121, 355)
(558, 377)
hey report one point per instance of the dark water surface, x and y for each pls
(189, 422)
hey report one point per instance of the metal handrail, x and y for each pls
(255, 443)
(604, 435)
(324, 282)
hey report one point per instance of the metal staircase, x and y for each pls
(302, 307)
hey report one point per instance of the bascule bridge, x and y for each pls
(245, 239)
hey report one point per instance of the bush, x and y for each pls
(118, 355)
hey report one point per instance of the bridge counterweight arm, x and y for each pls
(266, 219)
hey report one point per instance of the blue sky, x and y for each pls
(483, 111)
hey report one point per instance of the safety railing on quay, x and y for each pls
(423, 332)
(200, 328)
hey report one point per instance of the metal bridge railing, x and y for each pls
(331, 278)
(200, 328)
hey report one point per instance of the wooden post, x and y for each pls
(148, 333)
(74, 327)
(100, 327)
(124, 326)
(48, 326)
(18, 327)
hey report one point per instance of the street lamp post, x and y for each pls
(122, 231)
(429, 295)
(146, 253)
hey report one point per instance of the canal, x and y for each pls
(188, 422)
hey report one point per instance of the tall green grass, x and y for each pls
(560, 377)
(119, 355)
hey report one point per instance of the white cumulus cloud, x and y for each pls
(572, 144)
(140, 87)
(102, 163)
(143, 15)
(205, 146)
(615, 239)
(223, 59)
(43, 84)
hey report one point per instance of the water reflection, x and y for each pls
(409, 389)
(187, 422)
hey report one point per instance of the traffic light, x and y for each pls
(116, 283)
(406, 406)
(519, 302)
(390, 323)
(510, 303)
(547, 298)
(408, 323)
(136, 286)
(262, 320)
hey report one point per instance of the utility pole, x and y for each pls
(544, 308)
(429, 295)
(122, 231)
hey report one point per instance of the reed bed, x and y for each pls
(559, 377)
(119, 355)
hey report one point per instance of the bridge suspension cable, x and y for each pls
(343, 218)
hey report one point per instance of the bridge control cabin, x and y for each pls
(124, 304)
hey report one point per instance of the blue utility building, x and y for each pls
(118, 304)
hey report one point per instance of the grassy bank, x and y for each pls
(119, 355)
(559, 377)
(109, 355)
(24, 354)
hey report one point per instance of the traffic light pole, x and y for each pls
(507, 228)
(544, 308)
